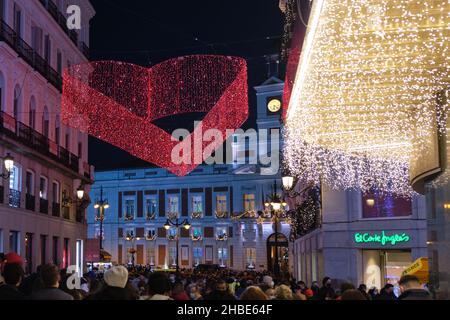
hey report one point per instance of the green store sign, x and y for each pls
(382, 238)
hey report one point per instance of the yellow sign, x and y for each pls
(418, 268)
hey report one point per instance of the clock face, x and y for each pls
(274, 105)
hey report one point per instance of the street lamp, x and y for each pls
(101, 205)
(8, 163)
(275, 205)
(177, 224)
(132, 238)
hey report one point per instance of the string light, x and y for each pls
(365, 96)
(117, 103)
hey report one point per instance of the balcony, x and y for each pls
(43, 206)
(2, 194)
(27, 53)
(56, 209)
(14, 198)
(61, 20)
(197, 215)
(129, 217)
(222, 215)
(66, 213)
(29, 137)
(30, 202)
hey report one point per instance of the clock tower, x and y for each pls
(269, 97)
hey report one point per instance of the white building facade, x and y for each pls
(40, 217)
(222, 202)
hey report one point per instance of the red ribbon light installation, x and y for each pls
(117, 102)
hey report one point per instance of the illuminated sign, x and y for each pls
(382, 238)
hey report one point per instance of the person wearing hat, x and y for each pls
(115, 286)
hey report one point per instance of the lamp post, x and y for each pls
(275, 205)
(101, 205)
(177, 224)
(132, 238)
(8, 163)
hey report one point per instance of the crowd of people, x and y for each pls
(141, 283)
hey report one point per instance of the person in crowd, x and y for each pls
(194, 292)
(220, 292)
(268, 280)
(302, 286)
(12, 276)
(315, 289)
(159, 286)
(50, 278)
(344, 287)
(241, 288)
(326, 292)
(363, 289)
(32, 283)
(77, 294)
(352, 294)
(178, 292)
(2, 261)
(411, 289)
(373, 293)
(270, 293)
(283, 292)
(387, 293)
(115, 286)
(253, 293)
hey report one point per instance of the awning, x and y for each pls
(105, 256)
(419, 268)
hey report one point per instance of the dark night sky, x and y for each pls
(146, 32)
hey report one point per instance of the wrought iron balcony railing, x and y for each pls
(128, 217)
(30, 202)
(197, 215)
(27, 53)
(56, 209)
(31, 138)
(151, 237)
(196, 238)
(43, 206)
(222, 215)
(14, 198)
(222, 237)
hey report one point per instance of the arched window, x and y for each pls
(32, 113)
(17, 102)
(57, 130)
(45, 122)
(2, 92)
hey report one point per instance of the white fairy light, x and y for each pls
(365, 97)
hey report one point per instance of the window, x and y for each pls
(129, 233)
(249, 202)
(2, 90)
(197, 233)
(14, 245)
(173, 205)
(57, 130)
(129, 208)
(221, 232)
(15, 179)
(150, 234)
(32, 114)
(29, 183)
(80, 150)
(250, 254)
(67, 142)
(197, 255)
(43, 249)
(17, 102)
(43, 188)
(197, 204)
(376, 205)
(66, 253)
(221, 203)
(55, 192)
(59, 62)
(222, 254)
(2, 9)
(150, 206)
(17, 20)
(55, 250)
(45, 122)
(172, 232)
(36, 39)
(48, 49)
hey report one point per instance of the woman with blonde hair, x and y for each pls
(253, 293)
(283, 292)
